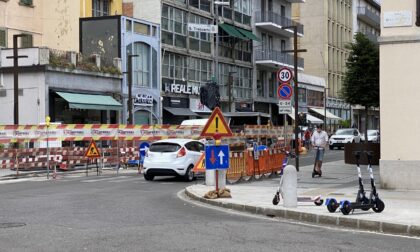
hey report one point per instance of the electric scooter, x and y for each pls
(277, 197)
(314, 172)
(362, 202)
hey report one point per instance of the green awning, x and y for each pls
(87, 101)
(232, 31)
(248, 34)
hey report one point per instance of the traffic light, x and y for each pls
(210, 95)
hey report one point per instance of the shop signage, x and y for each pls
(182, 89)
(202, 28)
(397, 18)
(197, 106)
(145, 100)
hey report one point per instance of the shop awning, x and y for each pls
(232, 31)
(248, 34)
(88, 101)
(330, 115)
(180, 111)
(313, 119)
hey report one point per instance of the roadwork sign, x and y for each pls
(92, 151)
(216, 124)
(217, 157)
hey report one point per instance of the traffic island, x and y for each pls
(254, 200)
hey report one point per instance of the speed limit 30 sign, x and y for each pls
(284, 75)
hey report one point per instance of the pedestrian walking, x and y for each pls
(319, 141)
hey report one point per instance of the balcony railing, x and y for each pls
(277, 56)
(374, 18)
(268, 16)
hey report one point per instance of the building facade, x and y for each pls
(328, 28)
(399, 42)
(53, 24)
(63, 85)
(120, 37)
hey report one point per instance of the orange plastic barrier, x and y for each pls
(237, 165)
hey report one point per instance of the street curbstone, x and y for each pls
(327, 220)
(294, 215)
(226, 205)
(393, 228)
(250, 209)
(308, 217)
(260, 210)
(414, 230)
(370, 225)
(238, 207)
(348, 222)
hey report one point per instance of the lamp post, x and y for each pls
(296, 96)
(130, 87)
(325, 107)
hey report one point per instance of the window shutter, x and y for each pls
(26, 41)
(2, 38)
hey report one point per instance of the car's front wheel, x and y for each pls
(189, 174)
(331, 147)
(148, 177)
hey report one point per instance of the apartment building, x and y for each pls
(328, 28)
(53, 23)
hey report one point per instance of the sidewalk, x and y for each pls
(400, 216)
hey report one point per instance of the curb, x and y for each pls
(339, 221)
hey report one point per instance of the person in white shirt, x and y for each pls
(319, 141)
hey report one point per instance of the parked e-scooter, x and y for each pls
(279, 193)
(362, 202)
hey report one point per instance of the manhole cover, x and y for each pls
(11, 225)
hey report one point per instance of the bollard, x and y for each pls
(211, 178)
(289, 187)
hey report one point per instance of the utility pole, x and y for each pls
(15, 58)
(130, 87)
(296, 97)
(325, 107)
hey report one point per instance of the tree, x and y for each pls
(361, 81)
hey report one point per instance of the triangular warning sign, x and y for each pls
(92, 151)
(200, 165)
(216, 124)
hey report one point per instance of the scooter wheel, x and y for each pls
(379, 206)
(332, 206)
(319, 203)
(365, 201)
(346, 209)
(313, 174)
(276, 200)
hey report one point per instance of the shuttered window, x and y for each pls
(26, 41)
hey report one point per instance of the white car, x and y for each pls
(343, 136)
(172, 157)
(373, 136)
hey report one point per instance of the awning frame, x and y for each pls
(86, 101)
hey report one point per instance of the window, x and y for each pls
(243, 11)
(242, 84)
(26, 2)
(26, 41)
(174, 66)
(3, 38)
(174, 26)
(100, 8)
(199, 70)
(201, 4)
(243, 50)
(141, 28)
(141, 65)
(200, 41)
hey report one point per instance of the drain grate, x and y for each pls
(12, 225)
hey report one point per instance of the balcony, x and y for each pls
(275, 59)
(274, 23)
(369, 17)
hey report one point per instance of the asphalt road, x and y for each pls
(127, 213)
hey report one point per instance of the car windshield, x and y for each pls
(371, 133)
(164, 147)
(344, 132)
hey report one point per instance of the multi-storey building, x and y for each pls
(328, 28)
(54, 24)
(366, 20)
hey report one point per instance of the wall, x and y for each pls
(152, 12)
(400, 121)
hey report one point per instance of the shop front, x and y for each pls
(146, 106)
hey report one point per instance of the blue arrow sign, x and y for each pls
(143, 148)
(217, 157)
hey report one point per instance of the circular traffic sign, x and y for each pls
(285, 91)
(284, 75)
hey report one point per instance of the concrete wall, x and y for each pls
(151, 13)
(400, 121)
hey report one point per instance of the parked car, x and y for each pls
(172, 157)
(343, 136)
(373, 136)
